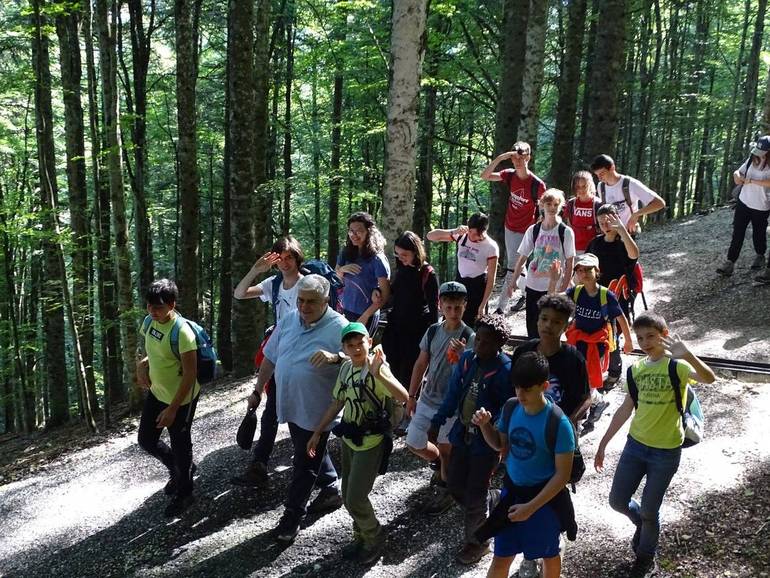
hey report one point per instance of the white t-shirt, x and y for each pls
(546, 250)
(636, 189)
(755, 196)
(287, 298)
(472, 256)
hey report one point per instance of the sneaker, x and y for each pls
(470, 554)
(369, 554)
(726, 268)
(597, 410)
(586, 428)
(520, 304)
(325, 502)
(170, 488)
(763, 277)
(435, 465)
(528, 569)
(178, 505)
(255, 475)
(758, 262)
(439, 503)
(350, 551)
(286, 530)
(435, 479)
(609, 383)
(644, 567)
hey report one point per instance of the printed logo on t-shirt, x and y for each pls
(555, 390)
(587, 312)
(584, 212)
(546, 252)
(517, 199)
(655, 389)
(468, 252)
(522, 443)
(156, 334)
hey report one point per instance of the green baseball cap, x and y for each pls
(354, 328)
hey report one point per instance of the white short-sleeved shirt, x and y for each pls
(546, 249)
(287, 298)
(472, 256)
(755, 196)
(636, 189)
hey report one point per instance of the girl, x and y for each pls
(580, 212)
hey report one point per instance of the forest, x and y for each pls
(147, 138)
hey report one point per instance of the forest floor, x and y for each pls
(78, 505)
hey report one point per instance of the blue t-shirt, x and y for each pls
(529, 461)
(357, 295)
(588, 310)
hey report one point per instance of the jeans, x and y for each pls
(512, 242)
(268, 426)
(532, 312)
(468, 482)
(178, 458)
(359, 470)
(308, 472)
(636, 462)
(743, 216)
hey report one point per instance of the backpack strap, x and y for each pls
(676, 384)
(597, 206)
(173, 338)
(145, 325)
(576, 292)
(633, 391)
(562, 230)
(424, 276)
(276, 288)
(508, 408)
(603, 192)
(535, 233)
(552, 427)
(534, 187)
(627, 192)
(431, 334)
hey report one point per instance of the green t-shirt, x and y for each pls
(358, 405)
(165, 368)
(657, 422)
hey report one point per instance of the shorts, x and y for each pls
(417, 432)
(536, 537)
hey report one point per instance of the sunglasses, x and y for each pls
(521, 152)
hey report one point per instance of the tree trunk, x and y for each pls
(532, 82)
(514, 29)
(242, 182)
(108, 66)
(314, 113)
(335, 178)
(57, 382)
(187, 151)
(289, 80)
(765, 122)
(606, 79)
(566, 107)
(407, 49)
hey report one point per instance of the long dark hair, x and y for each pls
(409, 241)
(375, 242)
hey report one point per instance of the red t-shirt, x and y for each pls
(583, 222)
(520, 213)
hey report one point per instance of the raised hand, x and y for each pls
(266, 261)
(481, 417)
(377, 361)
(674, 347)
(321, 358)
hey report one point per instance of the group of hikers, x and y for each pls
(467, 404)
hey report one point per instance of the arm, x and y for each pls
(496, 440)
(554, 274)
(628, 344)
(266, 371)
(331, 412)
(431, 294)
(628, 242)
(189, 371)
(567, 278)
(563, 463)
(491, 276)
(760, 182)
(418, 372)
(655, 205)
(516, 273)
(447, 235)
(143, 373)
(621, 416)
(738, 176)
(489, 173)
(244, 289)
(582, 407)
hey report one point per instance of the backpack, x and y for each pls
(691, 412)
(551, 431)
(534, 187)
(605, 315)
(570, 210)
(207, 367)
(394, 411)
(626, 192)
(317, 267)
(561, 229)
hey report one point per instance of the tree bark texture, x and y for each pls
(335, 178)
(532, 82)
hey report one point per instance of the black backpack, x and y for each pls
(314, 266)
(551, 431)
(626, 192)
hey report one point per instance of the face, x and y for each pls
(310, 305)
(486, 344)
(475, 235)
(605, 223)
(520, 160)
(580, 188)
(357, 233)
(452, 308)
(288, 263)
(602, 174)
(160, 313)
(584, 274)
(531, 396)
(551, 323)
(357, 348)
(551, 206)
(649, 340)
(405, 256)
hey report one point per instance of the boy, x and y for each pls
(617, 253)
(285, 254)
(477, 257)
(172, 392)
(547, 241)
(363, 385)
(481, 378)
(524, 191)
(440, 348)
(654, 443)
(535, 476)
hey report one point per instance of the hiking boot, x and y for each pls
(255, 475)
(325, 502)
(763, 277)
(170, 488)
(758, 262)
(286, 530)
(726, 268)
(644, 567)
(471, 553)
(528, 569)
(178, 505)
(350, 551)
(439, 503)
(369, 554)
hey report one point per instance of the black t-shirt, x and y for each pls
(415, 305)
(568, 377)
(614, 261)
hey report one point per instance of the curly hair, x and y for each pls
(496, 324)
(558, 302)
(375, 242)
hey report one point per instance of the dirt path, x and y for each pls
(97, 510)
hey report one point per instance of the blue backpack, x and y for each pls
(317, 267)
(208, 369)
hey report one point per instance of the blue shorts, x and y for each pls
(536, 537)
